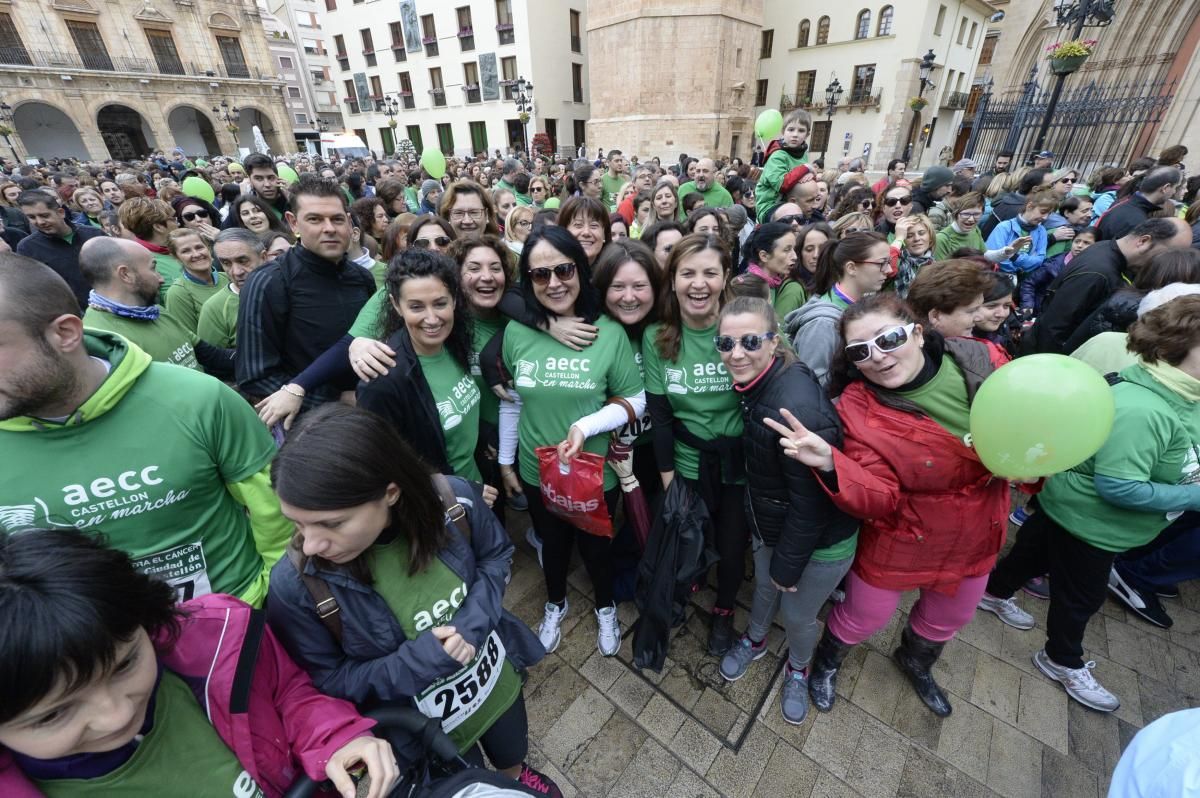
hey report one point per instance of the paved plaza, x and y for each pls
(599, 727)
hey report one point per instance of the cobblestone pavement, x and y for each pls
(599, 727)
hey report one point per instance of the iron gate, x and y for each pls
(1092, 125)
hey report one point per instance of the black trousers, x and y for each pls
(506, 742)
(731, 535)
(1078, 582)
(558, 540)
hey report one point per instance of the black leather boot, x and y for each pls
(822, 673)
(916, 656)
(720, 634)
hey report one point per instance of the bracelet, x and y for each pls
(298, 393)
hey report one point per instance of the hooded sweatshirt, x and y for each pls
(813, 328)
(165, 462)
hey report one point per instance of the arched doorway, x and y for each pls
(193, 130)
(125, 132)
(48, 132)
(247, 120)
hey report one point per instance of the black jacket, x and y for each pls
(62, 256)
(785, 504)
(1005, 207)
(403, 397)
(1115, 315)
(1124, 215)
(1080, 288)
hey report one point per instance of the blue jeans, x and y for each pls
(1172, 557)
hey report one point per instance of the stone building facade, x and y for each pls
(121, 78)
(673, 76)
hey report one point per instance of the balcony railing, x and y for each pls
(789, 102)
(439, 97)
(406, 99)
(351, 105)
(505, 33)
(864, 99)
(472, 92)
(398, 51)
(955, 100)
(53, 59)
(431, 45)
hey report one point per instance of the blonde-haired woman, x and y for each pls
(664, 204)
(517, 227)
(856, 222)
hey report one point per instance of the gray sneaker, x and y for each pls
(1079, 683)
(737, 659)
(1007, 611)
(793, 699)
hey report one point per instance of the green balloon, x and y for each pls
(1040, 415)
(199, 188)
(769, 124)
(551, 203)
(287, 174)
(434, 163)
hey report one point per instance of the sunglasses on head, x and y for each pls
(426, 243)
(891, 202)
(750, 342)
(541, 274)
(886, 341)
(191, 216)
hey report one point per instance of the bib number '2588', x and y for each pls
(455, 698)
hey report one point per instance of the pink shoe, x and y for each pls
(538, 782)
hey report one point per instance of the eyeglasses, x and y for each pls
(476, 214)
(541, 275)
(524, 223)
(750, 342)
(892, 202)
(887, 341)
(425, 243)
(970, 214)
(883, 263)
(191, 216)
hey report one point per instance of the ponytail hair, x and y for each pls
(831, 264)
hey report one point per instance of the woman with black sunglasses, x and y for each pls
(803, 545)
(894, 203)
(934, 516)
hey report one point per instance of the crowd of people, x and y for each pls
(269, 426)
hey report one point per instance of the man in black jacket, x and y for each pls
(1157, 188)
(55, 241)
(1093, 276)
(295, 308)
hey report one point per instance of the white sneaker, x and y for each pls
(1080, 684)
(534, 540)
(550, 630)
(609, 638)
(1007, 611)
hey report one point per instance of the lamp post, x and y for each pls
(1081, 14)
(926, 69)
(833, 93)
(390, 107)
(229, 116)
(524, 100)
(6, 127)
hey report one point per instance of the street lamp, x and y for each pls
(1082, 14)
(6, 127)
(524, 100)
(228, 115)
(833, 93)
(926, 69)
(390, 107)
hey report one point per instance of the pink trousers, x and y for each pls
(935, 616)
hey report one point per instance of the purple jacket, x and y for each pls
(277, 726)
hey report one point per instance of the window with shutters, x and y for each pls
(406, 92)
(414, 135)
(577, 82)
(339, 46)
(478, 136)
(508, 76)
(504, 21)
(471, 81)
(429, 35)
(805, 85)
(445, 138)
(162, 47)
(368, 43)
(232, 55)
(90, 45)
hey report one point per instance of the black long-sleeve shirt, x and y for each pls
(62, 256)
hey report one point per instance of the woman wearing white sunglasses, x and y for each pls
(934, 516)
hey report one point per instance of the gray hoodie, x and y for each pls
(813, 330)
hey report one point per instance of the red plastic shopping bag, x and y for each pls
(575, 491)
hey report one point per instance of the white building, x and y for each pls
(301, 52)
(452, 71)
(875, 53)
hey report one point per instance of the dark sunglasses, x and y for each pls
(795, 218)
(888, 341)
(892, 202)
(191, 216)
(866, 204)
(1067, 180)
(425, 243)
(541, 275)
(749, 342)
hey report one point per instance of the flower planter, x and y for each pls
(1067, 64)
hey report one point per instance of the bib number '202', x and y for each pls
(459, 696)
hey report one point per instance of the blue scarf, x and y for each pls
(139, 312)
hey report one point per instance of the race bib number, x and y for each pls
(457, 697)
(182, 567)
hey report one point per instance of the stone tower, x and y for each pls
(673, 76)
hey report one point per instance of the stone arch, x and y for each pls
(192, 129)
(47, 131)
(223, 21)
(126, 133)
(251, 116)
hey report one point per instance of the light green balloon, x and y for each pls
(287, 174)
(551, 203)
(769, 124)
(434, 163)
(1039, 415)
(199, 188)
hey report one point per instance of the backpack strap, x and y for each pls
(318, 589)
(454, 510)
(239, 700)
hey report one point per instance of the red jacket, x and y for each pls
(932, 512)
(282, 726)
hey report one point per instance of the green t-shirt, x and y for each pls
(369, 322)
(944, 398)
(790, 296)
(430, 598)
(699, 389)
(150, 472)
(457, 398)
(950, 240)
(1155, 438)
(165, 339)
(715, 197)
(170, 268)
(559, 386)
(611, 187)
(185, 297)
(379, 272)
(181, 755)
(838, 551)
(482, 332)
(218, 319)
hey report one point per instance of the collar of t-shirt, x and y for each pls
(107, 370)
(364, 259)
